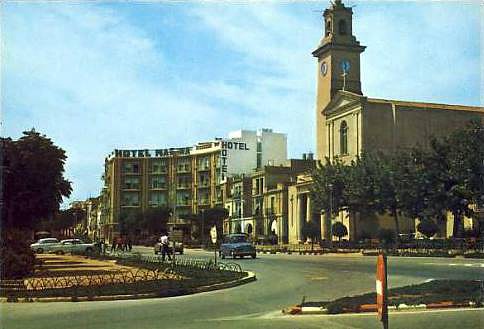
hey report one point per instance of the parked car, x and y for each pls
(178, 247)
(236, 245)
(44, 245)
(73, 246)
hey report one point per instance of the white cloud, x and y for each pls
(90, 79)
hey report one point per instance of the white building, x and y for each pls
(245, 150)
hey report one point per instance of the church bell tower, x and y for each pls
(338, 55)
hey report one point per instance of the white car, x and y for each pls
(44, 245)
(73, 246)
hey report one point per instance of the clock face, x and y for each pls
(345, 65)
(324, 68)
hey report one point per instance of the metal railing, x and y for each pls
(151, 275)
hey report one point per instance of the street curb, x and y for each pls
(250, 277)
(372, 308)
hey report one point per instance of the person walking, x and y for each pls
(113, 245)
(165, 249)
(129, 243)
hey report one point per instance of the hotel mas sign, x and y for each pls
(152, 153)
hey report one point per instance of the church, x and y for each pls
(349, 123)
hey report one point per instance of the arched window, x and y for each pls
(328, 28)
(342, 27)
(343, 138)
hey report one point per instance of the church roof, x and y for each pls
(415, 105)
(423, 105)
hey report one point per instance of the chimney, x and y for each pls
(304, 156)
(310, 156)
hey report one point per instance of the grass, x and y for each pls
(456, 291)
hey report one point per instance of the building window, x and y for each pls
(342, 27)
(184, 181)
(183, 165)
(343, 138)
(183, 198)
(203, 198)
(131, 183)
(131, 168)
(204, 163)
(328, 28)
(158, 167)
(130, 199)
(203, 180)
(157, 199)
(158, 182)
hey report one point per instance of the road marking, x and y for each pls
(279, 316)
(457, 264)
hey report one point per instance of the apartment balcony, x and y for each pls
(130, 187)
(183, 170)
(157, 204)
(130, 205)
(159, 172)
(183, 187)
(131, 172)
(158, 188)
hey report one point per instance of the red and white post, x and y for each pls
(381, 289)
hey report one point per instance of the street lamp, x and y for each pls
(330, 187)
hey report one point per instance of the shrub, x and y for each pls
(386, 236)
(16, 258)
(339, 230)
(427, 227)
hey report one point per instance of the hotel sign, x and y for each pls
(225, 146)
(152, 153)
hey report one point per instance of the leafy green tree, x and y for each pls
(130, 220)
(155, 219)
(386, 236)
(32, 189)
(329, 186)
(312, 230)
(213, 217)
(339, 230)
(33, 180)
(427, 227)
(363, 185)
(456, 169)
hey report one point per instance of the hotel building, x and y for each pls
(187, 179)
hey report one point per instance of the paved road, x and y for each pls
(282, 281)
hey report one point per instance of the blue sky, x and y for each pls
(99, 76)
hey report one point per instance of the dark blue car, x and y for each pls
(236, 245)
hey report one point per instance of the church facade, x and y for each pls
(349, 123)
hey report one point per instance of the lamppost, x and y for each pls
(330, 187)
(202, 231)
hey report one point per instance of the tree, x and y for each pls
(213, 217)
(456, 168)
(427, 227)
(328, 189)
(311, 230)
(155, 219)
(339, 230)
(33, 186)
(130, 220)
(33, 180)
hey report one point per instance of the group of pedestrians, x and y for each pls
(122, 243)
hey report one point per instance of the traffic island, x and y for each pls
(78, 278)
(429, 295)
